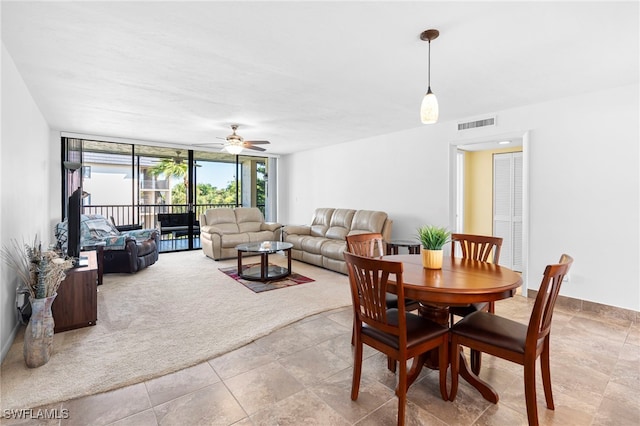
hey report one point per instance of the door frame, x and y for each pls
(453, 187)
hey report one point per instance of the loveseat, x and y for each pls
(222, 229)
(323, 242)
(127, 252)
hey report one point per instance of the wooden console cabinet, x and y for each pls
(77, 302)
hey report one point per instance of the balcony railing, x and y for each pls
(146, 215)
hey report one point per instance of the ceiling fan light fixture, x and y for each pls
(429, 107)
(234, 149)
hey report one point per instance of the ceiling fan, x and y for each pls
(235, 143)
(178, 159)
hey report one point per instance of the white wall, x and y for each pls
(404, 174)
(583, 183)
(28, 165)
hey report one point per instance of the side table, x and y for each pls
(77, 302)
(413, 246)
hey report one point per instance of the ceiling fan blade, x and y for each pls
(207, 144)
(255, 148)
(257, 142)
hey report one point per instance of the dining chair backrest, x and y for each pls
(372, 245)
(368, 279)
(540, 320)
(368, 245)
(477, 247)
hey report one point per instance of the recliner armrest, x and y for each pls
(270, 226)
(141, 234)
(211, 229)
(297, 230)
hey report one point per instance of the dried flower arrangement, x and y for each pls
(41, 272)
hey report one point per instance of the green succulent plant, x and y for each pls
(433, 237)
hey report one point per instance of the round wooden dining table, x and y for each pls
(459, 282)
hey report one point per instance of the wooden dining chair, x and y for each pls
(395, 332)
(372, 245)
(482, 248)
(514, 341)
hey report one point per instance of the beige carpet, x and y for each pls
(175, 314)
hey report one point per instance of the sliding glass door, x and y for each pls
(165, 188)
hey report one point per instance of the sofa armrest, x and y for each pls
(270, 226)
(386, 230)
(141, 234)
(297, 230)
(211, 229)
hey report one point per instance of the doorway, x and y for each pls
(468, 186)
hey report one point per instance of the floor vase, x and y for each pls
(38, 337)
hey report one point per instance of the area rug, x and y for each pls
(175, 314)
(260, 286)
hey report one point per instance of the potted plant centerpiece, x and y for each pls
(41, 273)
(432, 239)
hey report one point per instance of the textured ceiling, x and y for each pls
(306, 74)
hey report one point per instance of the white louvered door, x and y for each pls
(507, 207)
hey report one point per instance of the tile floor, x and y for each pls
(301, 374)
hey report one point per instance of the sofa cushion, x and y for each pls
(261, 236)
(340, 224)
(320, 221)
(334, 249)
(366, 221)
(219, 216)
(296, 240)
(313, 244)
(232, 240)
(249, 219)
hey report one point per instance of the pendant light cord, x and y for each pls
(429, 67)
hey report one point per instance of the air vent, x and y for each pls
(490, 121)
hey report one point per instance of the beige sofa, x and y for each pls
(323, 242)
(221, 230)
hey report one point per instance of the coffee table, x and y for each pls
(264, 272)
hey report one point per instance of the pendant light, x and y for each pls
(429, 106)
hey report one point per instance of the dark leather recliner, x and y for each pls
(135, 256)
(127, 252)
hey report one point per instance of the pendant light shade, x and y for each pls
(429, 106)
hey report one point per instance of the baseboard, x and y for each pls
(606, 311)
(7, 344)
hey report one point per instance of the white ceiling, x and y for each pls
(306, 74)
